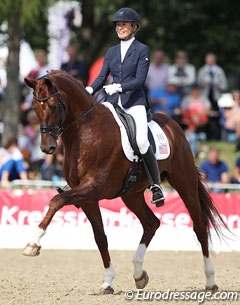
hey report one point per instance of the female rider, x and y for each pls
(128, 63)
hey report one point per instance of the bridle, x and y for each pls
(58, 129)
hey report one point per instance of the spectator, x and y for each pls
(51, 168)
(213, 81)
(236, 172)
(213, 169)
(158, 72)
(74, 66)
(12, 163)
(37, 72)
(232, 120)
(182, 73)
(29, 143)
(42, 66)
(195, 109)
(166, 100)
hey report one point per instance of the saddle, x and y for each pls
(134, 172)
(130, 126)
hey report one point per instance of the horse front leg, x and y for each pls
(93, 214)
(34, 245)
(136, 203)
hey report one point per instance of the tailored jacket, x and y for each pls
(131, 74)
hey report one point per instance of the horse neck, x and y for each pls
(79, 113)
(78, 102)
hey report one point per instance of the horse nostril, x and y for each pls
(52, 149)
(48, 149)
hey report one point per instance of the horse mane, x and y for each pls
(66, 75)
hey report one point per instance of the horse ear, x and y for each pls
(30, 82)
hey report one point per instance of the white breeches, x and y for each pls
(139, 114)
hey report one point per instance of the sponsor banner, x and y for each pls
(22, 210)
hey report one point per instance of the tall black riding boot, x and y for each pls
(152, 170)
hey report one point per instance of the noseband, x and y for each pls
(57, 130)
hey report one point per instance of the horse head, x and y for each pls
(50, 109)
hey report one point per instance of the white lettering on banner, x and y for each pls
(7, 215)
(122, 218)
(22, 216)
(233, 221)
(34, 217)
(175, 219)
(14, 216)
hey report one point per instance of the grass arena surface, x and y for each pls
(65, 277)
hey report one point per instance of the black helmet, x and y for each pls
(127, 14)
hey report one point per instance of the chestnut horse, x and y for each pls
(95, 167)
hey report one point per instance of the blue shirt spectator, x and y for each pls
(213, 172)
(165, 100)
(11, 163)
(14, 169)
(213, 169)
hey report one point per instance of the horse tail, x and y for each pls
(210, 213)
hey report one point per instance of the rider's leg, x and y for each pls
(151, 166)
(140, 117)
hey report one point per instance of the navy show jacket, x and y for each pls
(131, 73)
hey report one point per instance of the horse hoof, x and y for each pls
(107, 290)
(213, 288)
(31, 250)
(142, 281)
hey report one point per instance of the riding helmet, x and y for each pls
(127, 14)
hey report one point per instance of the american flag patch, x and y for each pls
(163, 149)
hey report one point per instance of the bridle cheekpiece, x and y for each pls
(59, 129)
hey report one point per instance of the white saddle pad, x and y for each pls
(160, 139)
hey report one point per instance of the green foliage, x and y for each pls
(33, 19)
(29, 10)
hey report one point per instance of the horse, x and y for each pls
(95, 168)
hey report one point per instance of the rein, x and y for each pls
(59, 129)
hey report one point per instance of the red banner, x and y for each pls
(28, 207)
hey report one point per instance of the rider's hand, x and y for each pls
(113, 88)
(89, 89)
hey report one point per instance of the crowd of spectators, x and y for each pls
(176, 87)
(191, 96)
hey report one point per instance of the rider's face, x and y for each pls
(124, 29)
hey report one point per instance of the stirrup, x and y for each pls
(158, 197)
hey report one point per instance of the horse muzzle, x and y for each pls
(48, 144)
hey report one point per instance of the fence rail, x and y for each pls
(41, 184)
(37, 184)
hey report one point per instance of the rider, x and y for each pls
(128, 63)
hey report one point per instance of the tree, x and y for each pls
(17, 14)
(195, 26)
